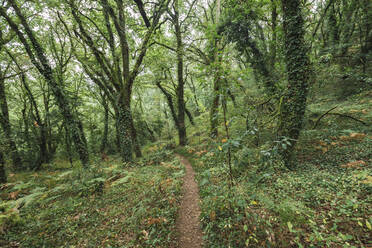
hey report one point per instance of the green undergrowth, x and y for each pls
(108, 205)
(324, 202)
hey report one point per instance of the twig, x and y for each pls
(348, 116)
(338, 114)
(317, 121)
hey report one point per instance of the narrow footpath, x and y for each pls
(188, 222)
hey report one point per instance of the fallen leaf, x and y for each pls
(13, 195)
(354, 164)
(358, 135)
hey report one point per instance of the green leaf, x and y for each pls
(290, 226)
(204, 181)
(368, 225)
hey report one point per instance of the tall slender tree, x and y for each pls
(2, 168)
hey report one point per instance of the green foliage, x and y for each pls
(323, 203)
(104, 205)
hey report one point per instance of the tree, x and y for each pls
(4, 114)
(115, 72)
(297, 67)
(2, 168)
(38, 57)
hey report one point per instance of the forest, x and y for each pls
(186, 123)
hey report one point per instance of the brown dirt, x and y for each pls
(188, 223)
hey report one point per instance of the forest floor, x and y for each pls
(325, 202)
(188, 222)
(108, 205)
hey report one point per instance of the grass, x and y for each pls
(109, 206)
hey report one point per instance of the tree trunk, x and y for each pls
(5, 124)
(180, 86)
(105, 126)
(50, 147)
(297, 62)
(274, 17)
(124, 120)
(366, 46)
(117, 136)
(68, 145)
(136, 145)
(213, 114)
(2, 168)
(42, 140)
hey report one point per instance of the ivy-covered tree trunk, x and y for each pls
(105, 125)
(51, 146)
(180, 87)
(213, 114)
(273, 43)
(297, 62)
(366, 46)
(124, 125)
(2, 168)
(5, 124)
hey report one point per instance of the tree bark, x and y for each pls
(105, 125)
(297, 63)
(2, 168)
(274, 17)
(213, 114)
(136, 145)
(180, 86)
(5, 124)
(125, 129)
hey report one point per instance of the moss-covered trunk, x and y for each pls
(213, 114)
(180, 87)
(2, 168)
(5, 124)
(297, 62)
(124, 126)
(136, 145)
(105, 126)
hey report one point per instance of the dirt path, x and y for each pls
(188, 223)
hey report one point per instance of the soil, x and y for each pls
(188, 225)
